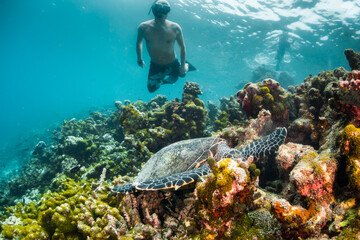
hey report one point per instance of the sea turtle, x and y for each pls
(183, 162)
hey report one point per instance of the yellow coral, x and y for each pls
(72, 212)
(264, 90)
(351, 141)
(350, 147)
(257, 100)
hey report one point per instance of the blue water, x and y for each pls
(61, 59)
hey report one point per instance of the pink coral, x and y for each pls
(290, 154)
(350, 95)
(313, 177)
(271, 83)
(221, 196)
(237, 186)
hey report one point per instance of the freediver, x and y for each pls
(284, 45)
(160, 35)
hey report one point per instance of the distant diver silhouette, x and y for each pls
(284, 45)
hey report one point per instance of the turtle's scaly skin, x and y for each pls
(182, 163)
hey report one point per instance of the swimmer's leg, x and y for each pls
(153, 84)
(186, 70)
(170, 79)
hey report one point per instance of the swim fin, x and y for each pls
(191, 67)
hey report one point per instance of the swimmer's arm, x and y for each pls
(182, 48)
(139, 46)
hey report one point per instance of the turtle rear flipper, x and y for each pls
(174, 181)
(264, 146)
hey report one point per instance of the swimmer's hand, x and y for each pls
(141, 63)
(183, 69)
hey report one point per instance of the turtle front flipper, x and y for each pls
(174, 181)
(124, 188)
(264, 146)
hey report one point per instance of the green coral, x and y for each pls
(148, 128)
(230, 113)
(74, 212)
(221, 178)
(351, 225)
(258, 224)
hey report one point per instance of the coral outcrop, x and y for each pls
(230, 113)
(350, 147)
(73, 212)
(349, 94)
(152, 126)
(309, 190)
(316, 111)
(265, 95)
(353, 59)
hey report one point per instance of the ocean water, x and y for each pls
(65, 58)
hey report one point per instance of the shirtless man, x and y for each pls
(160, 35)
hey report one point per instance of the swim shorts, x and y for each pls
(157, 74)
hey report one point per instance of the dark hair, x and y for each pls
(160, 9)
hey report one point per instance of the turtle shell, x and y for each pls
(179, 157)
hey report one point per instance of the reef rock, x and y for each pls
(265, 95)
(353, 59)
(151, 126)
(313, 177)
(350, 147)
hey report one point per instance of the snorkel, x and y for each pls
(160, 8)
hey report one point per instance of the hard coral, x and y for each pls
(350, 147)
(156, 124)
(289, 155)
(265, 95)
(315, 108)
(349, 92)
(313, 177)
(72, 213)
(297, 222)
(241, 135)
(222, 198)
(230, 113)
(353, 59)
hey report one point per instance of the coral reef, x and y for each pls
(73, 212)
(353, 59)
(307, 176)
(350, 147)
(153, 126)
(80, 150)
(221, 201)
(309, 190)
(230, 113)
(265, 95)
(348, 94)
(316, 111)
(213, 111)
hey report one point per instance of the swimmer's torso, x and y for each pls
(160, 40)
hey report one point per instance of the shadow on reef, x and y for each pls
(310, 189)
(262, 72)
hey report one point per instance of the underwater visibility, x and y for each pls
(173, 119)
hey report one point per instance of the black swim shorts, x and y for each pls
(163, 74)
